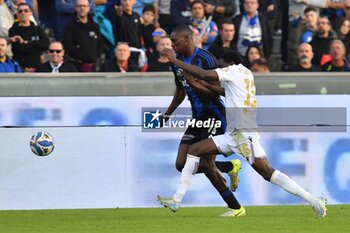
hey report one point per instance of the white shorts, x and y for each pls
(246, 144)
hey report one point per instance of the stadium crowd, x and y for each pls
(127, 35)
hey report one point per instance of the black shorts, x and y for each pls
(196, 134)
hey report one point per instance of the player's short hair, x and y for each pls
(231, 57)
(183, 28)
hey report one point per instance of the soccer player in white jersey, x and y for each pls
(241, 135)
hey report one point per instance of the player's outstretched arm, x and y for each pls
(198, 85)
(209, 75)
(216, 88)
(178, 97)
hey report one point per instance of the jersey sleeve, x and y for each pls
(206, 60)
(227, 73)
(174, 69)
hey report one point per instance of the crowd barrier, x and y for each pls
(160, 84)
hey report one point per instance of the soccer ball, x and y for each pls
(42, 143)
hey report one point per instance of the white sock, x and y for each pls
(291, 186)
(189, 170)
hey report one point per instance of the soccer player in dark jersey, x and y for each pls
(241, 137)
(206, 104)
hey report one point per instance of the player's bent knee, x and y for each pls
(263, 167)
(194, 150)
(266, 174)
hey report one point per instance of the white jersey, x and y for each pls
(240, 99)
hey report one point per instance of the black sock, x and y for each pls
(230, 199)
(224, 167)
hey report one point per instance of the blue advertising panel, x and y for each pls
(99, 166)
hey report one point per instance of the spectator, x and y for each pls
(162, 63)
(56, 63)
(121, 61)
(321, 40)
(162, 15)
(105, 26)
(311, 19)
(6, 64)
(8, 15)
(342, 29)
(224, 41)
(195, 34)
(305, 56)
(335, 11)
(28, 40)
(297, 23)
(110, 10)
(260, 66)
(251, 28)
(253, 53)
(83, 40)
(269, 9)
(180, 11)
(147, 26)
(127, 28)
(157, 34)
(126, 24)
(338, 62)
(66, 10)
(199, 22)
(225, 9)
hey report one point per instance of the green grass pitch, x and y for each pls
(260, 219)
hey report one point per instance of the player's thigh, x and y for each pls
(204, 148)
(191, 136)
(222, 144)
(208, 148)
(247, 145)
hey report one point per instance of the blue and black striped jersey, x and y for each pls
(201, 105)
